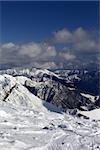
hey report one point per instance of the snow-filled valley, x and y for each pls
(28, 122)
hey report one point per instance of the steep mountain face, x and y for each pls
(84, 80)
(52, 88)
(57, 94)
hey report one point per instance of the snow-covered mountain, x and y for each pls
(52, 88)
(86, 81)
(32, 117)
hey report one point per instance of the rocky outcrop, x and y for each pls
(57, 94)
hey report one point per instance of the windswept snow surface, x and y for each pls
(28, 123)
(23, 128)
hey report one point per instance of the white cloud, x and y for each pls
(74, 45)
(37, 50)
(67, 56)
(30, 49)
(47, 51)
(8, 45)
(51, 51)
(45, 65)
(62, 36)
(87, 46)
(80, 40)
(80, 35)
(36, 54)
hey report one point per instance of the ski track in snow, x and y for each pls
(25, 129)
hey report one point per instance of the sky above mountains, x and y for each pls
(49, 34)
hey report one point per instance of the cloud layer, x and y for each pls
(79, 39)
(65, 49)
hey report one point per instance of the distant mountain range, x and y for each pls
(66, 89)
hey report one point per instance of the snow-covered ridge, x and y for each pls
(31, 72)
(12, 91)
(50, 87)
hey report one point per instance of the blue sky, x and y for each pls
(63, 30)
(34, 21)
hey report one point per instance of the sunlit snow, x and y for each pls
(28, 123)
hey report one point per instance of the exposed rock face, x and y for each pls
(97, 102)
(58, 94)
(7, 83)
(45, 85)
(86, 81)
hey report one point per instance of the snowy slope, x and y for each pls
(93, 114)
(24, 128)
(28, 123)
